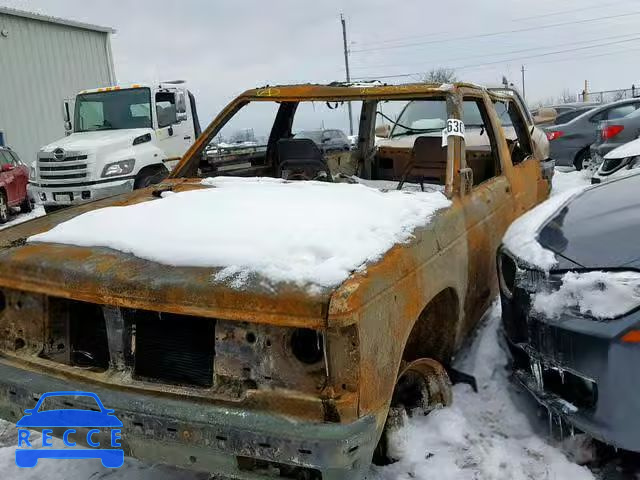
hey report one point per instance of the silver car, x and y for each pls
(615, 133)
(571, 142)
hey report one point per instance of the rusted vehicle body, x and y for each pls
(239, 381)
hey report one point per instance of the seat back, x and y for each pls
(300, 158)
(428, 162)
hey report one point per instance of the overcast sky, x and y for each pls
(222, 47)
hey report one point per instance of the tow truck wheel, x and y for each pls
(150, 176)
(4, 208)
(422, 386)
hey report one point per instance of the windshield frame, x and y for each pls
(87, 97)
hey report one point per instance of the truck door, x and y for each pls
(525, 175)
(487, 205)
(174, 136)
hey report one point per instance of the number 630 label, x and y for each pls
(454, 127)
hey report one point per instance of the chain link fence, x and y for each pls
(608, 96)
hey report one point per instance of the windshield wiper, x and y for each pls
(412, 131)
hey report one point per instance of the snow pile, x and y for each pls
(303, 232)
(520, 239)
(600, 294)
(481, 436)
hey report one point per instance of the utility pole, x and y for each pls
(346, 67)
(524, 97)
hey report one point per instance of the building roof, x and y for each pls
(56, 20)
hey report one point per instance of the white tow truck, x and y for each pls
(121, 138)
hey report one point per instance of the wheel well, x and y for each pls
(151, 168)
(434, 333)
(580, 152)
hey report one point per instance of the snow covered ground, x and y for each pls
(37, 211)
(490, 435)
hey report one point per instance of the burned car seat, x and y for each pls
(301, 159)
(428, 162)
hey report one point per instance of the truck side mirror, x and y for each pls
(66, 117)
(181, 103)
(67, 128)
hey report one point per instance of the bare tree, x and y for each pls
(440, 75)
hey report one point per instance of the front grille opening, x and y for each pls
(577, 390)
(276, 470)
(76, 334)
(175, 349)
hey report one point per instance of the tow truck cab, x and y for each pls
(118, 139)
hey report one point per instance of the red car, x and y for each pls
(14, 176)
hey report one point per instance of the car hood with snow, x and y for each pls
(219, 247)
(593, 229)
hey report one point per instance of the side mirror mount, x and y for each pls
(383, 131)
(466, 180)
(181, 104)
(181, 117)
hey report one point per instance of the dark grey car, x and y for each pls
(329, 140)
(571, 142)
(612, 134)
(579, 364)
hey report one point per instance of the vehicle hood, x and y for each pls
(107, 276)
(92, 141)
(598, 228)
(630, 149)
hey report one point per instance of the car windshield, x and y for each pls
(316, 136)
(113, 110)
(431, 116)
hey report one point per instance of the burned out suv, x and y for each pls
(249, 374)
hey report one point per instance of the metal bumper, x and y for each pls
(206, 437)
(582, 352)
(78, 194)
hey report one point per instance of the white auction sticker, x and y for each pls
(454, 127)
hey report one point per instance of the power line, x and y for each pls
(515, 58)
(574, 10)
(537, 48)
(493, 34)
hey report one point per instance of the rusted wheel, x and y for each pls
(422, 386)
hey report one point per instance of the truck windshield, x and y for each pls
(113, 110)
(421, 116)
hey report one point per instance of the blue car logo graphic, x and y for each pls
(68, 419)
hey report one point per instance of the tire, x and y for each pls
(4, 208)
(25, 206)
(150, 176)
(422, 386)
(583, 159)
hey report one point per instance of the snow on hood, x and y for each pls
(521, 237)
(308, 233)
(603, 295)
(92, 140)
(630, 149)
